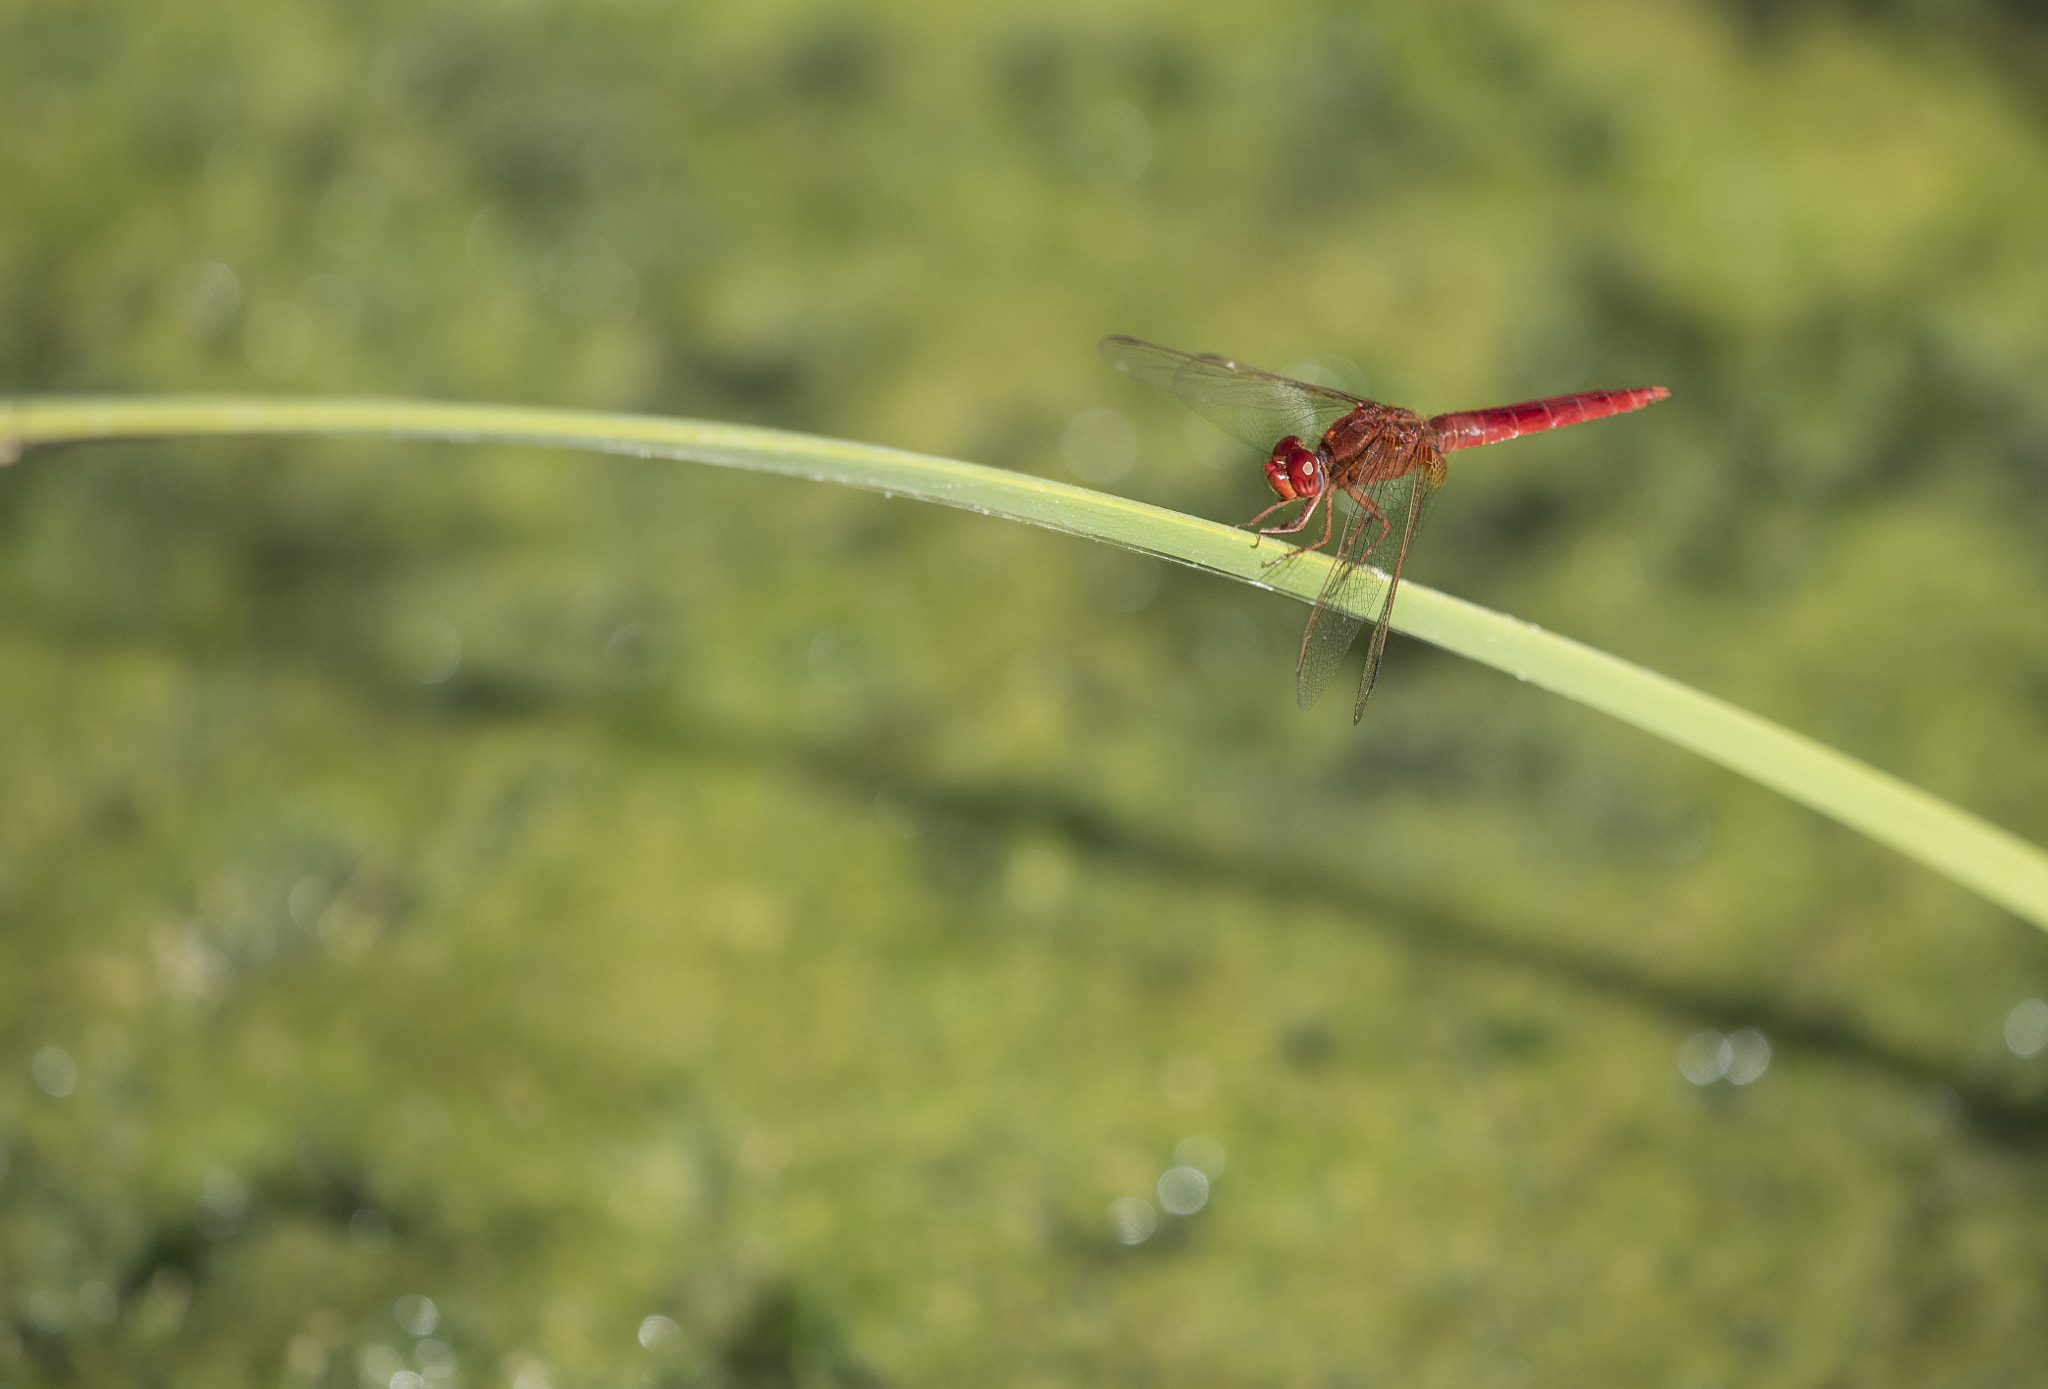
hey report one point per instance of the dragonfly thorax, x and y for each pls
(1295, 472)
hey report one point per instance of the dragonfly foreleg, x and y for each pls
(1301, 520)
(1276, 530)
(1321, 499)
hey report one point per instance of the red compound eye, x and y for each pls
(1284, 472)
(1305, 471)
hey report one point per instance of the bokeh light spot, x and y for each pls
(1099, 446)
(97, 1302)
(1183, 1190)
(376, 1365)
(45, 1312)
(53, 1071)
(206, 298)
(1705, 1057)
(306, 900)
(1749, 1056)
(1035, 880)
(2026, 1027)
(658, 1331)
(1124, 582)
(1112, 142)
(306, 1356)
(436, 652)
(1212, 447)
(416, 1314)
(1131, 1220)
(1937, 1111)
(223, 1193)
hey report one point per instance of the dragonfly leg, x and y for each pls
(1366, 501)
(1302, 520)
(1329, 511)
(1284, 501)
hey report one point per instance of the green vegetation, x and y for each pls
(579, 891)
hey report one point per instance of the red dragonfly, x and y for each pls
(1385, 459)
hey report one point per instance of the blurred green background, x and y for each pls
(503, 918)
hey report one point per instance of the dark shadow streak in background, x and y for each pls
(1406, 916)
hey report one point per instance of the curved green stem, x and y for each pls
(1980, 856)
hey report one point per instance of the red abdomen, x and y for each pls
(1470, 428)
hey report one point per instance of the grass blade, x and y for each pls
(1971, 852)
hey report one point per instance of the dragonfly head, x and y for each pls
(1293, 471)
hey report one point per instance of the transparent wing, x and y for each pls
(1376, 538)
(1244, 402)
(1341, 609)
(1420, 488)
